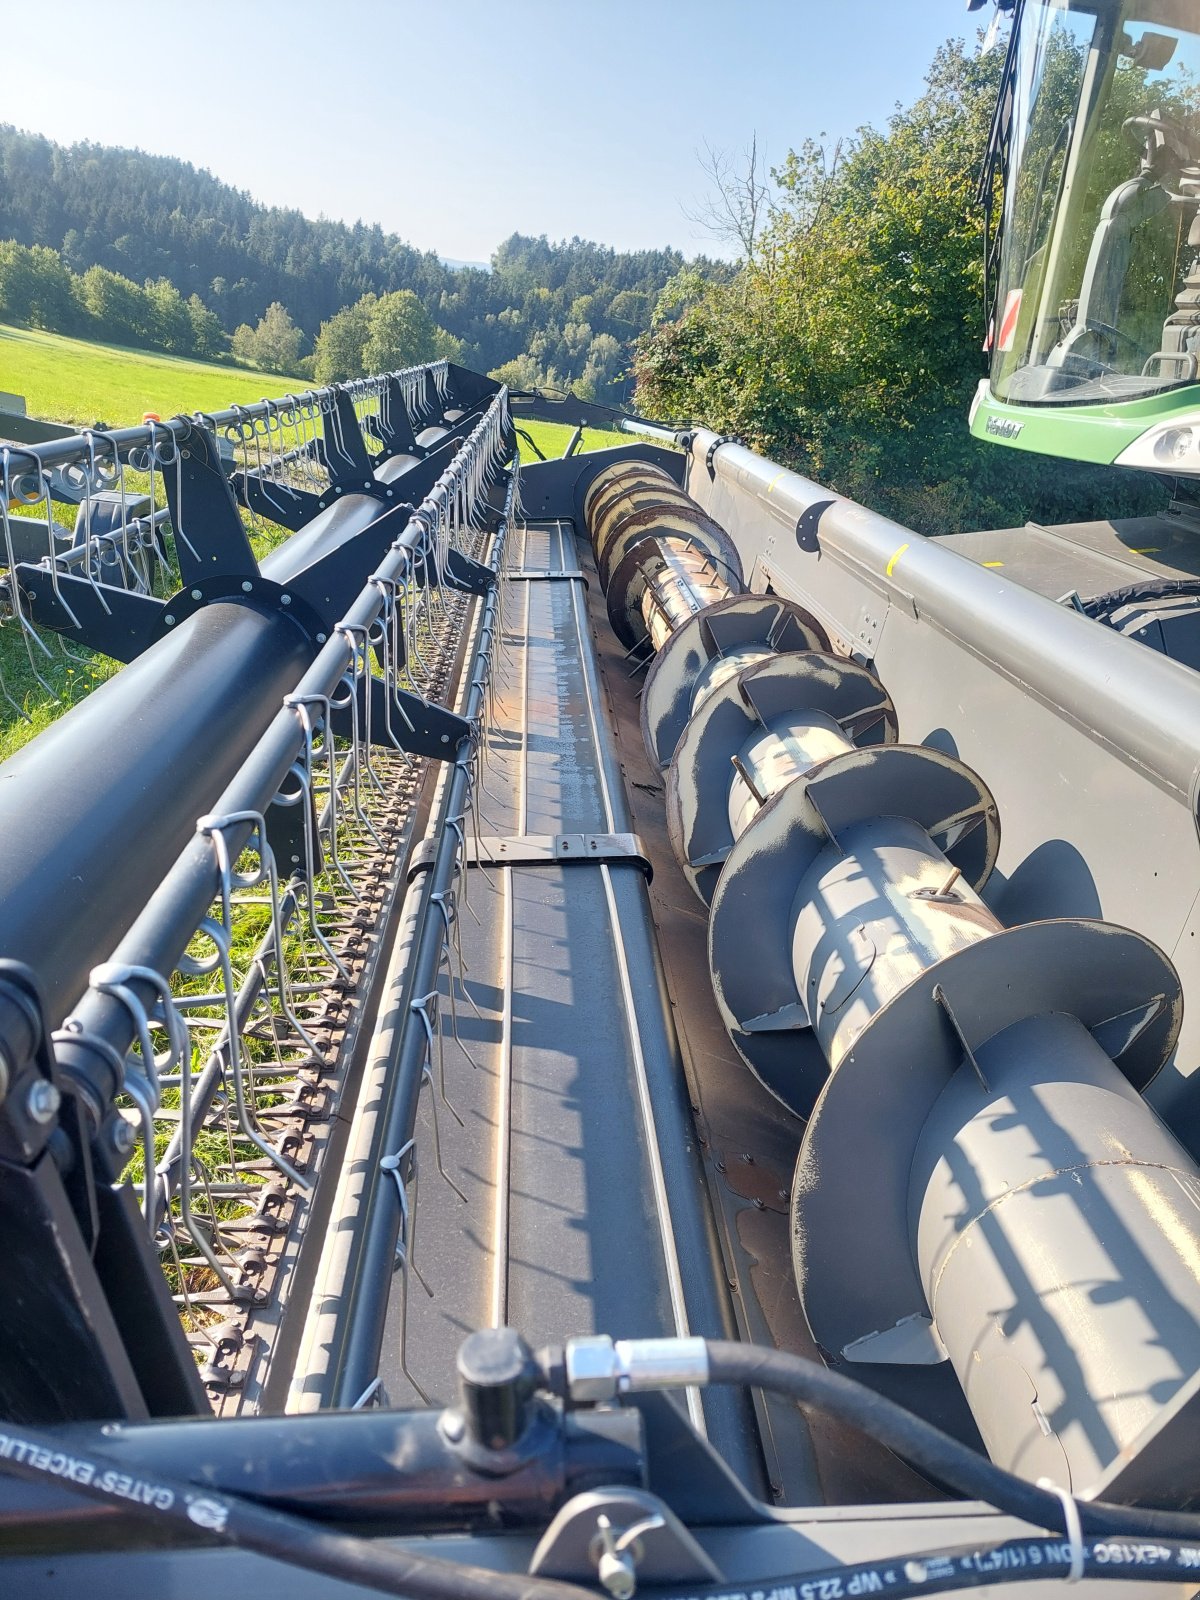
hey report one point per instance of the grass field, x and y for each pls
(70, 380)
(552, 439)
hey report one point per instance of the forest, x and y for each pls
(168, 246)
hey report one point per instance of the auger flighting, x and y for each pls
(960, 1079)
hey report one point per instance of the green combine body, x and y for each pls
(1093, 337)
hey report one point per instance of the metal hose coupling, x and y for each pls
(599, 1368)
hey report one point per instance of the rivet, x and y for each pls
(170, 621)
(321, 638)
(247, 586)
(285, 599)
(197, 594)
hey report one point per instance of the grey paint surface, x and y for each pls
(565, 1132)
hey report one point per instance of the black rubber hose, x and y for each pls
(231, 1520)
(932, 1452)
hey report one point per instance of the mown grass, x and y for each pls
(552, 438)
(72, 380)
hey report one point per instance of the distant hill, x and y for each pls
(149, 216)
(462, 266)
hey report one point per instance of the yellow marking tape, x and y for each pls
(1146, 550)
(891, 566)
(993, 563)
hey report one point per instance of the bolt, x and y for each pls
(123, 1137)
(197, 595)
(337, 491)
(445, 738)
(42, 1101)
(321, 638)
(247, 586)
(453, 1425)
(285, 599)
(169, 620)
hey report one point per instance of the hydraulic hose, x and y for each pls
(935, 1454)
(188, 1508)
(1097, 1540)
(596, 1368)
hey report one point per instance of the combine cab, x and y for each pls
(1092, 194)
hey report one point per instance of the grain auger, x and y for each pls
(956, 1075)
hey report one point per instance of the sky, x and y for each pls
(457, 122)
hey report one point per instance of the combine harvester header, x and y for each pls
(517, 939)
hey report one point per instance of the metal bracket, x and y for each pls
(422, 727)
(808, 527)
(345, 451)
(460, 572)
(396, 434)
(624, 1537)
(543, 575)
(544, 850)
(209, 535)
(117, 621)
(278, 502)
(29, 1092)
(262, 592)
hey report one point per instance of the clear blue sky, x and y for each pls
(454, 122)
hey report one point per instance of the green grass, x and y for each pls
(552, 438)
(75, 381)
(72, 380)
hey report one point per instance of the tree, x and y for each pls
(338, 353)
(207, 337)
(519, 373)
(36, 289)
(170, 324)
(277, 339)
(602, 369)
(400, 333)
(244, 345)
(739, 197)
(274, 345)
(121, 310)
